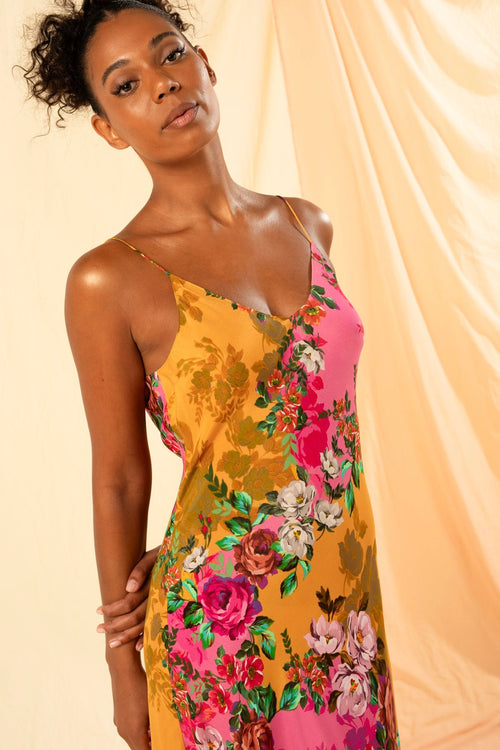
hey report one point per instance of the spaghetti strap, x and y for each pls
(139, 252)
(293, 212)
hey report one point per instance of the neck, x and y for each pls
(195, 190)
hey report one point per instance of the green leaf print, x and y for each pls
(206, 635)
(317, 291)
(381, 734)
(268, 643)
(189, 586)
(288, 562)
(173, 602)
(241, 501)
(306, 567)
(349, 498)
(303, 474)
(332, 703)
(291, 696)
(228, 542)
(266, 702)
(270, 510)
(239, 525)
(193, 614)
(261, 624)
(288, 585)
(355, 473)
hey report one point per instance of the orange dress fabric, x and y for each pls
(264, 625)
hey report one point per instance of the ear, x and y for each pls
(104, 129)
(211, 72)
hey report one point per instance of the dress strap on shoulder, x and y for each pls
(139, 252)
(293, 212)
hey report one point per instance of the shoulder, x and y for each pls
(315, 220)
(100, 275)
(94, 287)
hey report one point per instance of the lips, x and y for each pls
(177, 111)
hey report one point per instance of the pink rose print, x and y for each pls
(311, 443)
(354, 682)
(229, 604)
(362, 642)
(325, 637)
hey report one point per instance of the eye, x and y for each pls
(177, 51)
(123, 88)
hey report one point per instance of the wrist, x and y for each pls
(122, 658)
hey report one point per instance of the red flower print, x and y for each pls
(293, 674)
(255, 557)
(172, 575)
(229, 604)
(220, 699)
(255, 735)
(181, 703)
(206, 713)
(308, 665)
(312, 313)
(228, 669)
(287, 419)
(293, 396)
(275, 382)
(252, 672)
(318, 680)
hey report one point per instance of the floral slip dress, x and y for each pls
(264, 625)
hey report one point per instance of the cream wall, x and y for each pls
(403, 153)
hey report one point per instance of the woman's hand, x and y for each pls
(125, 616)
(130, 703)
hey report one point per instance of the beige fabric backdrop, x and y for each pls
(387, 114)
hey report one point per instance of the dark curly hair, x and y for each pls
(56, 74)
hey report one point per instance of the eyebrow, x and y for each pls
(155, 41)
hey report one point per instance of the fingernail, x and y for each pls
(99, 610)
(100, 628)
(114, 643)
(132, 585)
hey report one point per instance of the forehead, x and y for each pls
(125, 35)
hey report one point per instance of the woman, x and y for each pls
(264, 624)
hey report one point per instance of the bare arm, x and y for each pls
(112, 384)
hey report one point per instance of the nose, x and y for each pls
(164, 84)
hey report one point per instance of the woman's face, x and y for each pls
(140, 68)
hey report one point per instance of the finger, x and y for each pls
(140, 643)
(126, 604)
(127, 635)
(122, 622)
(142, 570)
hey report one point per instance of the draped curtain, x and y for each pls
(386, 113)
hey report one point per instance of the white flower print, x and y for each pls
(208, 738)
(362, 641)
(311, 358)
(294, 537)
(195, 559)
(325, 637)
(295, 499)
(328, 514)
(330, 464)
(354, 684)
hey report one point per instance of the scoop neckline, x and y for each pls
(239, 306)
